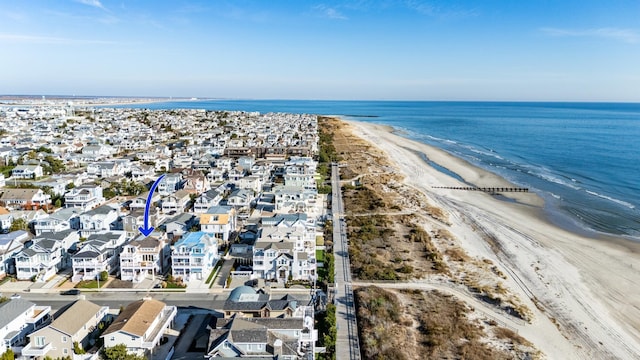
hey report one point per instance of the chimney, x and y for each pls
(277, 347)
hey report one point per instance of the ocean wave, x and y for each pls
(617, 201)
(489, 153)
(554, 179)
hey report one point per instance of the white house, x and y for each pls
(143, 256)
(19, 317)
(206, 200)
(84, 197)
(10, 245)
(260, 337)
(47, 255)
(27, 172)
(98, 219)
(97, 254)
(63, 219)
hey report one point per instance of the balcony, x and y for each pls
(32, 350)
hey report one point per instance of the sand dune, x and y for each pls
(584, 292)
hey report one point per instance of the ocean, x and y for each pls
(583, 159)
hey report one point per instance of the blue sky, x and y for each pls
(411, 50)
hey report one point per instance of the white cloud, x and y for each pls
(624, 35)
(329, 12)
(94, 3)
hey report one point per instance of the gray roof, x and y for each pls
(75, 317)
(55, 236)
(102, 210)
(10, 310)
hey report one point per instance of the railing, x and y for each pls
(31, 350)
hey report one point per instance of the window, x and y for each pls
(225, 345)
(39, 340)
(65, 351)
(64, 339)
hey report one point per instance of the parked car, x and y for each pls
(71, 292)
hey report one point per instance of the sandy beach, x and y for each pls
(584, 293)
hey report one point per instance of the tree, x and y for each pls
(8, 355)
(19, 224)
(104, 275)
(119, 352)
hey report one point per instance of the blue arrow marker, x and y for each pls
(146, 230)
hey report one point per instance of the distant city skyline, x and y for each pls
(343, 50)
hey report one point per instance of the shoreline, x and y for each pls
(586, 287)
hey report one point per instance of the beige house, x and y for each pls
(140, 326)
(76, 324)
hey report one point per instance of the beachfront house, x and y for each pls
(273, 338)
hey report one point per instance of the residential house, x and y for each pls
(219, 221)
(10, 245)
(177, 202)
(140, 326)
(6, 219)
(195, 254)
(135, 219)
(97, 152)
(142, 171)
(63, 219)
(47, 254)
(170, 183)
(77, 325)
(143, 256)
(196, 182)
(25, 198)
(253, 183)
(26, 172)
(84, 197)
(282, 254)
(241, 199)
(216, 175)
(270, 338)
(294, 198)
(245, 301)
(19, 317)
(104, 169)
(98, 219)
(100, 252)
(180, 224)
(206, 200)
(140, 202)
